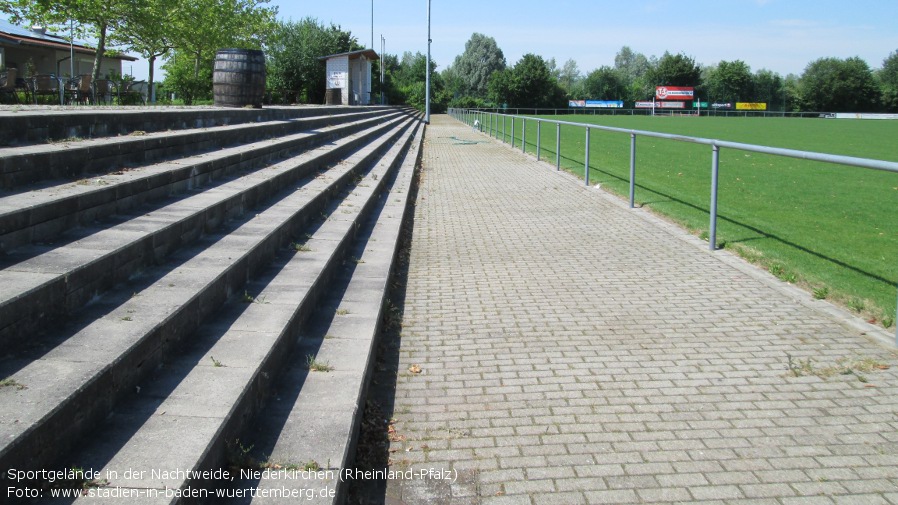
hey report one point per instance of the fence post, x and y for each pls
(539, 125)
(524, 135)
(586, 159)
(715, 165)
(503, 127)
(557, 146)
(632, 170)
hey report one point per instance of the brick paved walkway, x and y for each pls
(575, 351)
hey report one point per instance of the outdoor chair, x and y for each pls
(103, 90)
(8, 84)
(44, 84)
(133, 92)
(80, 88)
(24, 85)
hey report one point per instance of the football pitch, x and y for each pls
(830, 229)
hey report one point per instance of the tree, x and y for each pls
(292, 56)
(188, 81)
(409, 80)
(888, 81)
(198, 28)
(835, 85)
(145, 31)
(792, 92)
(634, 70)
(768, 88)
(97, 19)
(675, 70)
(730, 81)
(477, 63)
(604, 83)
(528, 84)
(569, 76)
(201, 27)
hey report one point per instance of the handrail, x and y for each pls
(486, 118)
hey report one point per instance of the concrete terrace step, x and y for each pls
(250, 343)
(39, 126)
(55, 282)
(123, 339)
(316, 416)
(76, 158)
(45, 212)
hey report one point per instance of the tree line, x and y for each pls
(481, 77)
(187, 34)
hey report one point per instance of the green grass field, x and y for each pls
(831, 229)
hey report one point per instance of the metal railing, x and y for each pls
(597, 111)
(489, 122)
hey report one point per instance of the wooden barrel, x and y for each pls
(238, 78)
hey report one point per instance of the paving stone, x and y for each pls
(658, 367)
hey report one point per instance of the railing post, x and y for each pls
(586, 160)
(503, 127)
(524, 135)
(632, 170)
(539, 137)
(557, 146)
(512, 131)
(715, 165)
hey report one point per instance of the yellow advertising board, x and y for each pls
(751, 106)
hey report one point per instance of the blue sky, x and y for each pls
(780, 35)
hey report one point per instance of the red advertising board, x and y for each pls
(674, 92)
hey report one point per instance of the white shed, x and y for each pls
(350, 73)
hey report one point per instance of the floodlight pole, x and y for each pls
(427, 77)
(372, 25)
(383, 47)
(72, 48)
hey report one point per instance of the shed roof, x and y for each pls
(354, 55)
(11, 34)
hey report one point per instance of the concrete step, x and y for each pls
(315, 416)
(123, 337)
(76, 159)
(40, 126)
(44, 287)
(250, 343)
(44, 212)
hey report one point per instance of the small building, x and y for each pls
(348, 77)
(50, 54)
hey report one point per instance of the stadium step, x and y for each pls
(49, 282)
(39, 213)
(26, 127)
(313, 419)
(217, 386)
(105, 352)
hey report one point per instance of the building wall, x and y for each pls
(361, 80)
(338, 76)
(353, 77)
(46, 61)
